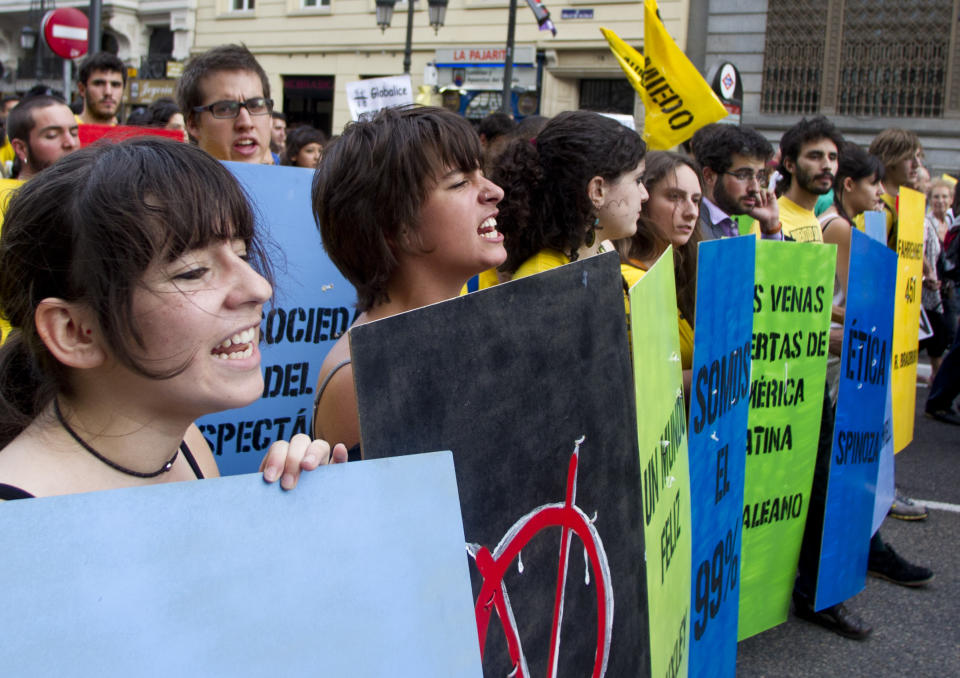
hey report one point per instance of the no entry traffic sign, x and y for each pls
(65, 31)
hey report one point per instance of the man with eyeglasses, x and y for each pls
(734, 161)
(225, 97)
(809, 156)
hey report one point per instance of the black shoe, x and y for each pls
(888, 565)
(947, 416)
(837, 618)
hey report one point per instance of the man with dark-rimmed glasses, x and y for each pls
(224, 95)
(734, 161)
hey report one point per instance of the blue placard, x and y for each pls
(875, 225)
(719, 405)
(312, 308)
(568, 13)
(360, 571)
(858, 435)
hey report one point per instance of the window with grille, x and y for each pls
(242, 5)
(886, 58)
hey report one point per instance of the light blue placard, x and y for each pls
(359, 571)
(875, 226)
(858, 433)
(313, 306)
(885, 486)
(719, 404)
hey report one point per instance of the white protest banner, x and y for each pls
(369, 96)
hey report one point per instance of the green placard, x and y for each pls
(662, 438)
(793, 293)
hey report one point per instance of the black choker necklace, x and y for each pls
(130, 472)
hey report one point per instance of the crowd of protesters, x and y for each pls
(100, 364)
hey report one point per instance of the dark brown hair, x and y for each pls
(297, 138)
(85, 230)
(545, 181)
(216, 60)
(373, 181)
(646, 242)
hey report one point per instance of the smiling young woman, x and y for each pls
(407, 216)
(137, 301)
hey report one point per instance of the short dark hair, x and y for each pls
(496, 124)
(297, 138)
(101, 61)
(216, 60)
(373, 181)
(857, 164)
(20, 122)
(277, 115)
(85, 230)
(805, 131)
(715, 145)
(545, 181)
(161, 110)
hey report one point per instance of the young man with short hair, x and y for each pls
(278, 133)
(809, 155)
(224, 95)
(42, 130)
(100, 84)
(899, 152)
(734, 161)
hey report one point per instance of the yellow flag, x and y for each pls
(677, 99)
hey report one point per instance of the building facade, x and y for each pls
(145, 34)
(866, 64)
(311, 48)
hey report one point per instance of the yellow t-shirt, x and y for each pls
(7, 187)
(798, 223)
(632, 274)
(7, 155)
(890, 214)
(544, 260)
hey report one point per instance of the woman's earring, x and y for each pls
(592, 233)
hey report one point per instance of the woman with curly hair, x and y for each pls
(574, 186)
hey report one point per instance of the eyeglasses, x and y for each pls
(231, 109)
(745, 175)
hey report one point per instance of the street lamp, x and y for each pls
(437, 10)
(28, 38)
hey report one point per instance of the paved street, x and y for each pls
(916, 631)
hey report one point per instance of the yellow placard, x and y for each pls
(906, 315)
(678, 101)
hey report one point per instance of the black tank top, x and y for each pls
(11, 492)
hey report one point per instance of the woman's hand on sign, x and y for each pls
(285, 460)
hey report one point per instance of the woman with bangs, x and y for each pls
(669, 217)
(137, 309)
(574, 186)
(407, 216)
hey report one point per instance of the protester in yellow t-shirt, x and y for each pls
(899, 152)
(572, 187)
(669, 218)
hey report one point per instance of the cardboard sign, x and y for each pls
(662, 439)
(906, 311)
(791, 321)
(366, 97)
(359, 571)
(511, 378)
(313, 306)
(719, 403)
(875, 226)
(858, 434)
